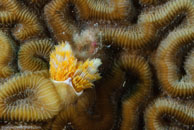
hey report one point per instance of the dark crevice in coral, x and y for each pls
(136, 11)
(181, 57)
(42, 58)
(163, 32)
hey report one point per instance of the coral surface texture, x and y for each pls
(96, 64)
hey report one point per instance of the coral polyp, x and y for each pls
(64, 66)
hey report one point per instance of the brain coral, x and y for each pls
(97, 64)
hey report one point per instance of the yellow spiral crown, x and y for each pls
(64, 66)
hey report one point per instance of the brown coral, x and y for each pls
(7, 55)
(130, 25)
(132, 37)
(27, 24)
(172, 81)
(164, 106)
(28, 97)
(130, 105)
(149, 22)
(68, 114)
(63, 24)
(108, 10)
(162, 15)
(102, 118)
(34, 55)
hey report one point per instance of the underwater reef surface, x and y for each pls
(96, 64)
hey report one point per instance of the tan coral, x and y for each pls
(108, 9)
(162, 15)
(132, 37)
(183, 113)
(149, 22)
(63, 29)
(27, 24)
(104, 119)
(130, 105)
(7, 55)
(34, 55)
(171, 80)
(28, 97)
(67, 115)
(64, 26)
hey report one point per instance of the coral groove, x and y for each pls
(118, 64)
(149, 22)
(62, 24)
(34, 55)
(172, 80)
(162, 15)
(130, 105)
(27, 24)
(183, 113)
